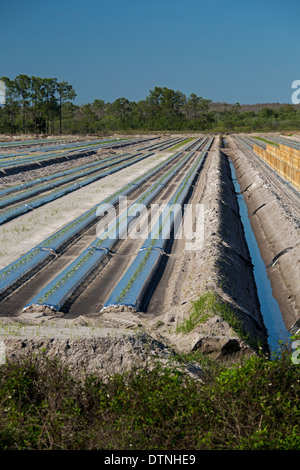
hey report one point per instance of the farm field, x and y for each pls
(149, 229)
(76, 264)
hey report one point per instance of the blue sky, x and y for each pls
(230, 50)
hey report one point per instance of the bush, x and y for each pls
(251, 405)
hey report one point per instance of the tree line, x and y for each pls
(34, 103)
(44, 105)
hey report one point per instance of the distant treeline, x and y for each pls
(44, 105)
(34, 104)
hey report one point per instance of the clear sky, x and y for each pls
(224, 50)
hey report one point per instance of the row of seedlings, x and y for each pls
(30, 144)
(10, 163)
(194, 145)
(90, 168)
(29, 184)
(27, 190)
(289, 142)
(243, 141)
(81, 145)
(197, 147)
(59, 290)
(39, 201)
(135, 282)
(255, 141)
(69, 146)
(158, 145)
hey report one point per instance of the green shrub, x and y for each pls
(250, 405)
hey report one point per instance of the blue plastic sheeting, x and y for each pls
(245, 143)
(69, 176)
(32, 259)
(27, 142)
(11, 155)
(44, 149)
(76, 146)
(40, 141)
(158, 144)
(9, 214)
(197, 147)
(45, 250)
(191, 145)
(132, 287)
(119, 227)
(56, 293)
(72, 145)
(39, 201)
(252, 142)
(15, 162)
(52, 296)
(136, 280)
(53, 176)
(6, 165)
(276, 140)
(289, 142)
(162, 145)
(47, 149)
(14, 271)
(9, 164)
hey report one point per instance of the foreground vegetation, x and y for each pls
(251, 405)
(44, 105)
